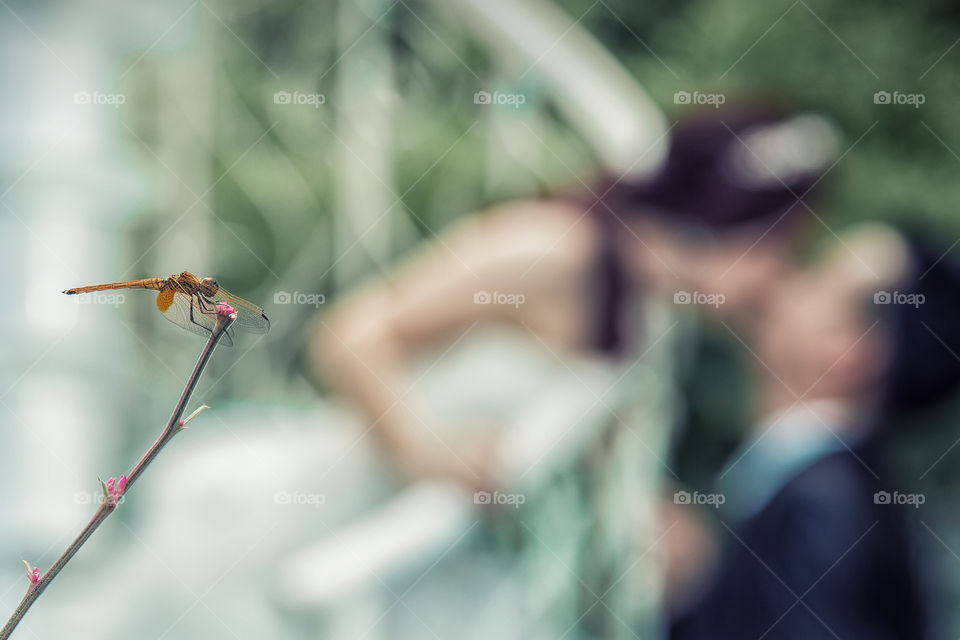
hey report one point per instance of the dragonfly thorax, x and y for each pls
(190, 284)
(209, 287)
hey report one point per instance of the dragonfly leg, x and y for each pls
(206, 307)
(200, 302)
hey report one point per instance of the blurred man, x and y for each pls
(811, 547)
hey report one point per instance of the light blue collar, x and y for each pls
(788, 443)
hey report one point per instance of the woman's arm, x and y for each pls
(533, 249)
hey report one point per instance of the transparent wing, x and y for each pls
(184, 311)
(250, 317)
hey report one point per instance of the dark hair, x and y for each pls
(703, 183)
(925, 330)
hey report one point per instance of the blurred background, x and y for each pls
(295, 149)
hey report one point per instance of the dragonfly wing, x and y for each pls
(250, 317)
(182, 310)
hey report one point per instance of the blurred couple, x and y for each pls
(613, 277)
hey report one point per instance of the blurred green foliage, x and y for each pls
(826, 55)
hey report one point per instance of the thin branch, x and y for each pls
(113, 490)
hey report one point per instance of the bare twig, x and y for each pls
(114, 490)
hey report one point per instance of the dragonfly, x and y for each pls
(191, 302)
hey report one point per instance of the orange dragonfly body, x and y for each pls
(191, 302)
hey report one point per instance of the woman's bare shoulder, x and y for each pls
(554, 231)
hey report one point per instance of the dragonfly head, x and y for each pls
(208, 287)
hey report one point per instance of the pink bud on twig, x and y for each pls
(224, 309)
(33, 574)
(115, 490)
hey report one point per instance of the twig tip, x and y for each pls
(33, 574)
(184, 421)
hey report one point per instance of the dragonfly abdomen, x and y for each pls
(147, 283)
